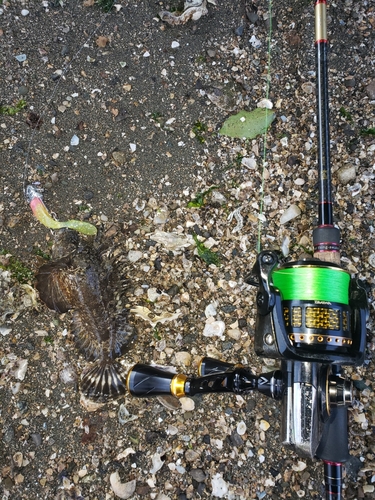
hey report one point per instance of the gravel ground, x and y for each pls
(146, 101)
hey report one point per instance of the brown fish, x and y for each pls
(79, 278)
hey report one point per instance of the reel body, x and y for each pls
(311, 316)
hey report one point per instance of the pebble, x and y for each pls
(134, 255)
(299, 466)
(122, 490)
(191, 455)
(22, 90)
(88, 195)
(290, 213)
(370, 89)
(219, 486)
(20, 371)
(74, 141)
(25, 12)
(346, 174)
(157, 463)
(210, 311)
(175, 45)
(161, 215)
(264, 425)
(187, 404)
(239, 31)
(21, 57)
(371, 260)
(198, 475)
(36, 438)
(183, 358)
(308, 88)
(215, 328)
(119, 157)
(68, 375)
(64, 50)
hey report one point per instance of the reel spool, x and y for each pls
(315, 305)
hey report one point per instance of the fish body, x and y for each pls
(78, 278)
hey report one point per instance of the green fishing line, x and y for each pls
(312, 283)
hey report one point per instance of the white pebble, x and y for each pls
(134, 255)
(74, 141)
(346, 174)
(25, 12)
(290, 213)
(371, 260)
(265, 103)
(68, 375)
(264, 425)
(175, 45)
(219, 486)
(214, 329)
(20, 371)
(122, 490)
(187, 404)
(249, 163)
(152, 294)
(157, 463)
(299, 467)
(132, 147)
(4, 330)
(161, 215)
(210, 311)
(241, 428)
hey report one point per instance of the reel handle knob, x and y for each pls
(145, 380)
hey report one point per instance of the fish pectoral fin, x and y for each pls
(104, 380)
(53, 287)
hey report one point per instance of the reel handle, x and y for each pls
(217, 376)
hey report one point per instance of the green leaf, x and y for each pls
(248, 124)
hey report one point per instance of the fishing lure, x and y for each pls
(34, 199)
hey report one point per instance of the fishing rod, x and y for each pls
(311, 315)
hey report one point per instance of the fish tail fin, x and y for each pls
(103, 381)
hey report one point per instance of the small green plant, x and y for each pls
(39, 252)
(197, 129)
(238, 160)
(48, 339)
(367, 131)
(345, 114)
(156, 333)
(12, 110)
(198, 201)
(156, 116)
(105, 5)
(207, 255)
(22, 273)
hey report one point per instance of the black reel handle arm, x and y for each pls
(145, 381)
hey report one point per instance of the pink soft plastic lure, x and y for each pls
(40, 211)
